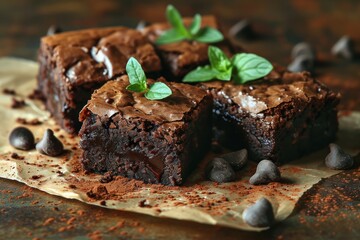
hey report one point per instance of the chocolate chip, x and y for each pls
(338, 159)
(53, 29)
(242, 29)
(219, 170)
(141, 25)
(303, 49)
(344, 47)
(22, 138)
(266, 172)
(301, 63)
(49, 144)
(260, 214)
(236, 159)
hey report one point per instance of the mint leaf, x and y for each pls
(208, 35)
(169, 36)
(218, 59)
(180, 32)
(175, 20)
(225, 75)
(136, 88)
(195, 25)
(249, 67)
(201, 74)
(135, 72)
(158, 91)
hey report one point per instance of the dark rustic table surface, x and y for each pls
(330, 210)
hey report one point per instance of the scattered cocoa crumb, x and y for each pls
(97, 192)
(107, 177)
(71, 221)
(103, 203)
(17, 156)
(32, 122)
(9, 91)
(56, 208)
(36, 95)
(48, 221)
(144, 203)
(15, 103)
(35, 177)
(72, 186)
(96, 235)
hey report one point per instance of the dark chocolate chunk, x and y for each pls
(338, 159)
(266, 172)
(49, 144)
(219, 170)
(302, 63)
(22, 138)
(53, 29)
(242, 29)
(17, 103)
(303, 49)
(260, 214)
(236, 159)
(9, 91)
(344, 47)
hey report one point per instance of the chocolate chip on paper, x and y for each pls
(236, 159)
(49, 144)
(22, 138)
(266, 172)
(338, 159)
(260, 214)
(219, 170)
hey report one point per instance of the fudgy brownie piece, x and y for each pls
(179, 58)
(125, 134)
(280, 117)
(73, 64)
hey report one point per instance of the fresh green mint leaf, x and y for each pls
(201, 74)
(249, 67)
(135, 72)
(208, 35)
(170, 36)
(224, 75)
(136, 88)
(180, 32)
(218, 59)
(175, 20)
(195, 25)
(158, 91)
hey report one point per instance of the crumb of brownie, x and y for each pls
(9, 91)
(32, 122)
(36, 95)
(17, 156)
(35, 177)
(17, 103)
(97, 192)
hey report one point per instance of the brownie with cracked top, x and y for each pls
(280, 117)
(161, 141)
(179, 58)
(73, 64)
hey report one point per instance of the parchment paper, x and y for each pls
(220, 204)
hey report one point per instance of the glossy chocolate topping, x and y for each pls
(113, 98)
(276, 88)
(95, 55)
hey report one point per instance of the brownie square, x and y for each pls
(160, 141)
(73, 64)
(280, 117)
(179, 58)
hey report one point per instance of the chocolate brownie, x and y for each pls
(161, 141)
(179, 58)
(280, 117)
(73, 64)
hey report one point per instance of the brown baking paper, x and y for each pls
(199, 200)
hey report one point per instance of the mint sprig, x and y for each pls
(137, 79)
(180, 32)
(242, 67)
